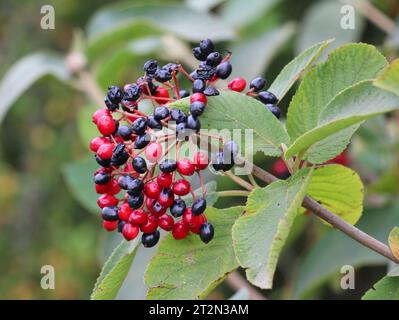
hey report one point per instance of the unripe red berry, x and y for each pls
(198, 96)
(115, 188)
(100, 113)
(106, 125)
(153, 151)
(161, 93)
(110, 225)
(105, 151)
(166, 222)
(138, 217)
(107, 200)
(201, 160)
(124, 212)
(164, 179)
(130, 231)
(185, 167)
(97, 142)
(237, 84)
(196, 223)
(103, 188)
(180, 230)
(152, 190)
(150, 226)
(181, 187)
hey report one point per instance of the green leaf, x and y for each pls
(339, 189)
(259, 50)
(328, 15)
(354, 105)
(25, 72)
(259, 235)
(385, 289)
(393, 241)
(389, 79)
(232, 110)
(293, 71)
(210, 197)
(190, 269)
(323, 84)
(79, 178)
(115, 271)
(334, 250)
(120, 22)
(239, 15)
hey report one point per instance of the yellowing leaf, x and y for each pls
(393, 241)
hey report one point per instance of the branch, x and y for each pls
(338, 223)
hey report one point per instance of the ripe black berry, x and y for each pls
(153, 123)
(162, 75)
(170, 67)
(132, 92)
(142, 141)
(181, 131)
(223, 70)
(110, 105)
(139, 126)
(150, 239)
(178, 116)
(119, 155)
(103, 163)
(198, 206)
(206, 232)
(102, 178)
(161, 113)
(257, 84)
(213, 59)
(150, 67)
(219, 162)
(205, 72)
(193, 123)
(206, 46)
(211, 91)
(267, 97)
(197, 108)
(231, 147)
(139, 164)
(134, 185)
(198, 54)
(168, 165)
(198, 86)
(178, 208)
(125, 132)
(114, 94)
(110, 213)
(120, 225)
(274, 109)
(184, 93)
(135, 201)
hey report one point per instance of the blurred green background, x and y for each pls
(46, 205)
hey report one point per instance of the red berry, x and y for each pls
(119, 139)
(138, 217)
(105, 151)
(166, 198)
(152, 190)
(279, 168)
(130, 231)
(106, 125)
(153, 151)
(124, 212)
(237, 84)
(185, 167)
(107, 200)
(150, 226)
(100, 113)
(342, 159)
(198, 97)
(180, 230)
(164, 179)
(161, 93)
(97, 142)
(103, 188)
(201, 160)
(115, 188)
(181, 187)
(166, 222)
(154, 207)
(196, 223)
(110, 225)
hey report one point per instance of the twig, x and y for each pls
(239, 181)
(237, 282)
(233, 193)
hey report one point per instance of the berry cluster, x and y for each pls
(154, 185)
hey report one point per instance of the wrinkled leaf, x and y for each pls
(190, 269)
(259, 235)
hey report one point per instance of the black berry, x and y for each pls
(114, 94)
(184, 93)
(120, 225)
(198, 86)
(134, 185)
(168, 165)
(110, 105)
(139, 164)
(125, 132)
(198, 54)
(161, 113)
(142, 141)
(211, 91)
(178, 208)
(103, 163)
(223, 70)
(193, 123)
(132, 92)
(135, 201)
(102, 178)
(274, 109)
(219, 162)
(213, 59)
(198, 206)
(110, 213)
(162, 75)
(267, 97)
(119, 155)
(150, 67)
(197, 108)
(257, 84)
(139, 126)
(153, 123)
(178, 116)
(206, 232)
(150, 239)
(206, 46)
